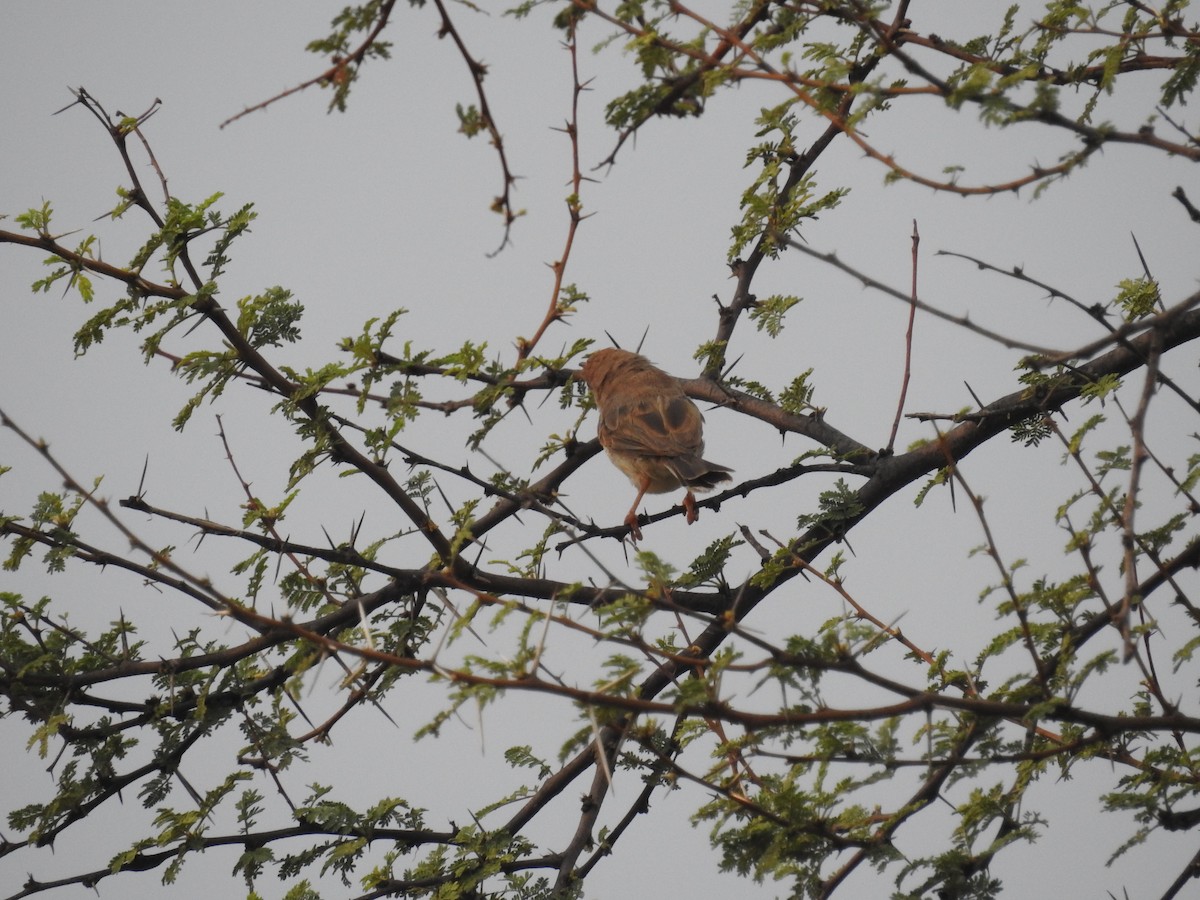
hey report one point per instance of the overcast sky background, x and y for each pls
(387, 206)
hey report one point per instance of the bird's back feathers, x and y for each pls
(652, 431)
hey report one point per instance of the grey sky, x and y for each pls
(386, 206)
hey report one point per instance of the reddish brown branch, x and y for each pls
(339, 72)
(574, 208)
(908, 340)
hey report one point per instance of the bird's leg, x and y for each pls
(689, 507)
(635, 533)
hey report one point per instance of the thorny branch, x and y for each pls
(341, 72)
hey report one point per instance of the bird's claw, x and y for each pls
(631, 522)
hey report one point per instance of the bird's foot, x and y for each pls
(631, 522)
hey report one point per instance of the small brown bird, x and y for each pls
(650, 429)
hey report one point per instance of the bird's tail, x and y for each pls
(700, 474)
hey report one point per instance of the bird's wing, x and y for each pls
(665, 425)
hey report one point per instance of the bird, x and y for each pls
(650, 429)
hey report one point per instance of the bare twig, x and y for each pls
(908, 338)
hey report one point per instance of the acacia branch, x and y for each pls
(148, 861)
(555, 312)
(340, 73)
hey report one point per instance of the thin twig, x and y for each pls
(908, 340)
(337, 74)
